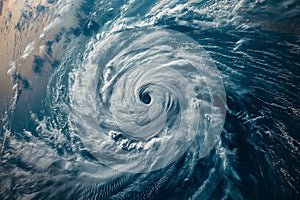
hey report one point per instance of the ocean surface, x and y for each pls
(145, 99)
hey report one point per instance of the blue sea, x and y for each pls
(150, 99)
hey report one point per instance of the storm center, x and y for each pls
(145, 98)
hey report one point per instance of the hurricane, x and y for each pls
(149, 99)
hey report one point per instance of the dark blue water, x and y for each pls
(56, 146)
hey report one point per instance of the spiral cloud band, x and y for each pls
(139, 99)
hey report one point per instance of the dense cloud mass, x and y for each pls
(149, 99)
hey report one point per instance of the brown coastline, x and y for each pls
(12, 45)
